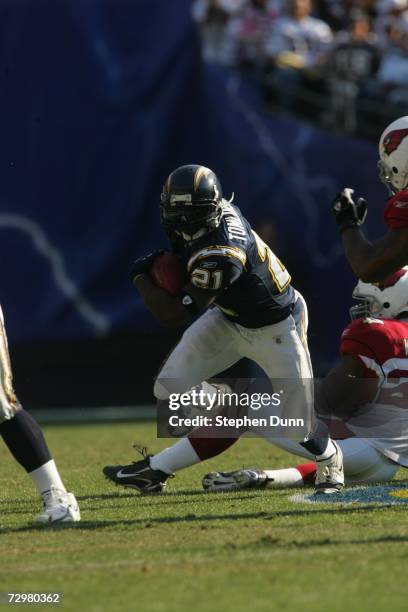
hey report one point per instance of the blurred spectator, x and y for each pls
(393, 73)
(354, 51)
(391, 14)
(219, 24)
(369, 7)
(352, 64)
(297, 41)
(335, 12)
(255, 23)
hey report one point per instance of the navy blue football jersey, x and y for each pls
(254, 286)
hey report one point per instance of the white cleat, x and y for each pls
(330, 474)
(234, 481)
(59, 507)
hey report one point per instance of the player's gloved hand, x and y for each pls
(142, 264)
(347, 212)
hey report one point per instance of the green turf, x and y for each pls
(187, 550)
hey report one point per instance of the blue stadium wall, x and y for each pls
(101, 100)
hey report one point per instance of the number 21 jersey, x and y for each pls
(253, 287)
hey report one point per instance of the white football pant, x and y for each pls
(213, 343)
(8, 402)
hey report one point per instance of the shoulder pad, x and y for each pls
(375, 339)
(214, 253)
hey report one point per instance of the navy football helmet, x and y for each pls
(191, 202)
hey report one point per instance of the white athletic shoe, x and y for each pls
(330, 474)
(59, 507)
(252, 478)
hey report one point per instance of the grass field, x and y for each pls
(189, 550)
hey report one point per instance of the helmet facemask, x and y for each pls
(368, 307)
(385, 301)
(386, 176)
(190, 221)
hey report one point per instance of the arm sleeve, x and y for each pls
(215, 273)
(216, 267)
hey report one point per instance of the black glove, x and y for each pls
(347, 212)
(142, 264)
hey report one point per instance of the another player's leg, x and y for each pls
(256, 478)
(206, 348)
(25, 440)
(27, 444)
(363, 464)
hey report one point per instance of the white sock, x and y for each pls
(47, 476)
(287, 477)
(176, 457)
(329, 452)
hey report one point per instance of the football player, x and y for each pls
(374, 347)
(247, 307)
(373, 261)
(26, 442)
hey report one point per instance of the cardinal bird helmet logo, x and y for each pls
(393, 140)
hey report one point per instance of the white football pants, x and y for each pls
(8, 401)
(213, 343)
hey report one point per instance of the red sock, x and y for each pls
(210, 447)
(206, 446)
(308, 472)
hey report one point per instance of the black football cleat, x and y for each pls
(138, 475)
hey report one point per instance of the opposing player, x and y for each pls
(374, 347)
(26, 442)
(247, 307)
(373, 261)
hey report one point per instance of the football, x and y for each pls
(168, 272)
